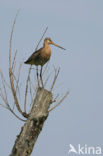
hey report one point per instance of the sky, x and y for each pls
(78, 27)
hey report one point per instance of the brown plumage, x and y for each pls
(41, 56)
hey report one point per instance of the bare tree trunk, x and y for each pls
(30, 131)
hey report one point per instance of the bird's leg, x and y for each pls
(41, 77)
(37, 75)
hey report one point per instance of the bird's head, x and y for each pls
(49, 41)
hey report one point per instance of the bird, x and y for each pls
(42, 56)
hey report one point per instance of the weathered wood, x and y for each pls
(30, 131)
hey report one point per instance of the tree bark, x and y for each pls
(26, 140)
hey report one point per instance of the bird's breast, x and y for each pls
(46, 53)
(45, 56)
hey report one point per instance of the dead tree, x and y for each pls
(41, 100)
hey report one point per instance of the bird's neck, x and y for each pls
(47, 49)
(46, 45)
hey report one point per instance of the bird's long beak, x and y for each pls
(57, 45)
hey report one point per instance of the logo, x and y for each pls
(87, 150)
